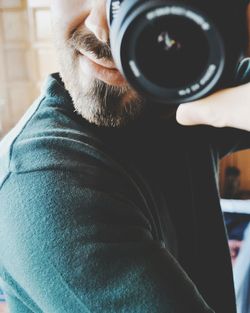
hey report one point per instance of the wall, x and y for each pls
(26, 56)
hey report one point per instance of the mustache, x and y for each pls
(83, 40)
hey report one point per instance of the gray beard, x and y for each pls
(98, 102)
(104, 105)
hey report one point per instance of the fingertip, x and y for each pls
(182, 115)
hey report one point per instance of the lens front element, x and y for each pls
(170, 52)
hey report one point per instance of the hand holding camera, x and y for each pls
(225, 108)
(229, 107)
(175, 52)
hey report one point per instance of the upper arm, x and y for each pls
(68, 240)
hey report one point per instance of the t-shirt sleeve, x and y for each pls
(69, 247)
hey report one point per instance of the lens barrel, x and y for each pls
(167, 50)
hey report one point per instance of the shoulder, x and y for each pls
(49, 136)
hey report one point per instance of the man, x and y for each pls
(107, 206)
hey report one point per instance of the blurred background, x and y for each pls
(27, 57)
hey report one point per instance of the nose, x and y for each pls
(96, 21)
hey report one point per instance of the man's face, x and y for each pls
(99, 92)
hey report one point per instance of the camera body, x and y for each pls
(178, 51)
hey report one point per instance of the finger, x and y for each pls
(203, 111)
(229, 107)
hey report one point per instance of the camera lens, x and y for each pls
(172, 52)
(167, 50)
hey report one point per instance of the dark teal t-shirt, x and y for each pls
(112, 220)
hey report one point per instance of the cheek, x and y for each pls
(69, 14)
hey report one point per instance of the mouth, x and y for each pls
(101, 69)
(103, 62)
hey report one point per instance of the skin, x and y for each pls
(226, 108)
(95, 84)
(99, 92)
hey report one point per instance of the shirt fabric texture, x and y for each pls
(107, 220)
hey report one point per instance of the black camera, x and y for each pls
(178, 51)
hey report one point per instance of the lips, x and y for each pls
(101, 69)
(104, 63)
